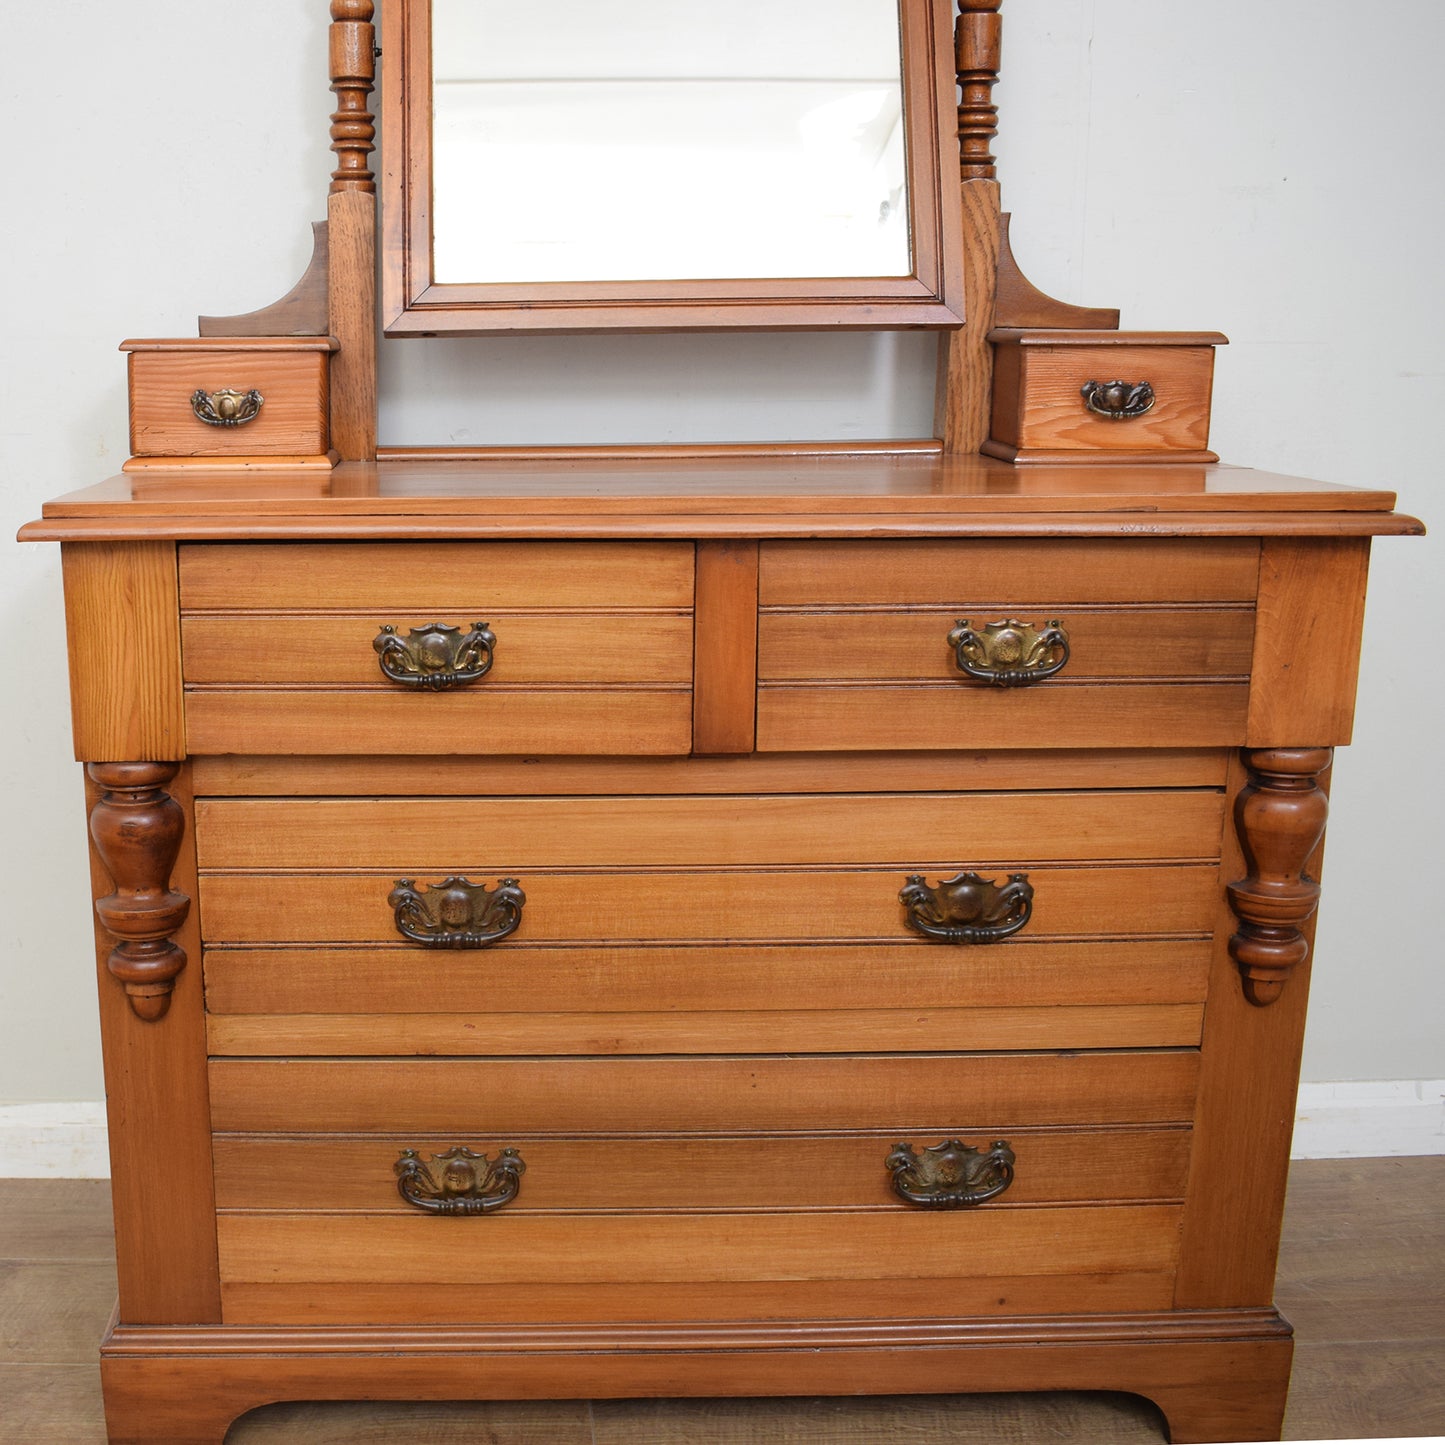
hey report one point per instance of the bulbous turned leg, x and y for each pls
(1281, 819)
(137, 828)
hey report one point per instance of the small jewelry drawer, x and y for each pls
(260, 402)
(1092, 396)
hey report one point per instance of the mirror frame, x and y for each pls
(414, 304)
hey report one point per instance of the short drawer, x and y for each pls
(972, 644)
(488, 647)
(265, 399)
(718, 1181)
(1092, 396)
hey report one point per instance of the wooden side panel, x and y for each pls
(351, 296)
(1307, 641)
(731, 1094)
(1050, 572)
(429, 576)
(125, 651)
(805, 1172)
(965, 359)
(156, 1086)
(759, 907)
(726, 652)
(426, 834)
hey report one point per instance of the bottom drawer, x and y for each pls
(698, 1189)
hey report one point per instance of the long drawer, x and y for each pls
(591, 648)
(706, 1185)
(685, 924)
(855, 649)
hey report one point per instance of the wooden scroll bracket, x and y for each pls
(137, 827)
(1019, 303)
(302, 311)
(1280, 816)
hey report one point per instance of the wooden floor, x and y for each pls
(1362, 1276)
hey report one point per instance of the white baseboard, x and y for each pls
(1333, 1121)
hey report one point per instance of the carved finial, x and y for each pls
(1281, 819)
(137, 827)
(978, 45)
(353, 71)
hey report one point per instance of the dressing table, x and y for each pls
(783, 919)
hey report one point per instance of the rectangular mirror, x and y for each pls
(577, 165)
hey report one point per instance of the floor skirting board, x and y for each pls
(1373, 1119)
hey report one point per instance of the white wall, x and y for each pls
(1270, 169)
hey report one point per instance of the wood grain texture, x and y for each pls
(726, 648)
(974, 715)
(1012, 574)
(329, 1173)
(965, 359)
(291, 422)
(760, 907)
(912, 646)
(351, 302)
(427, 834)
(461, 577)
(165, 1222)
(125, 651)
(731, 1094)
(280, 649)
(1307, 641)
(719, 978)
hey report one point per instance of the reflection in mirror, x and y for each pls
(622, 140)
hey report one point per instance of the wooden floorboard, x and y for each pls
(1362, 1276)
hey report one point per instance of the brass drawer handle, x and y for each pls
(1118, 400)
(1009, 653)
(455, 913)
(467, 1184)
(436, 656)
(951, 1175)
(967, 908)
(227, 407)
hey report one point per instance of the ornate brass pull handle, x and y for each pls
(1118, 400)
(467, 1184)
(437, 656)
(455, 913)
(967, 908)
(227, 407)
(951, 1175)
(1009, 653)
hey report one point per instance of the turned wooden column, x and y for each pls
(978, 46)
(137, 827)
(1280, 816)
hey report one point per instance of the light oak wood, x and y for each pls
(463, 577)
(302, 311)
(426, 834)
(965, 358)
(125, 653)
(329, 1173)
(745, 907)
(291, 374)
(1019, 303)
(848, 645)
(725, 687)
(734, 1094)
(351, 300)
(520, 979)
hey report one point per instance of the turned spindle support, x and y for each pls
(137, 827)
(1281, 817)
(353, 76)
(978, 46)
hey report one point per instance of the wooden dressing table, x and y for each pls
(722, 920)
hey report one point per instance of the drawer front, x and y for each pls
(630, 1187)
(589, 648)
(291, 420)
(679, 924)
(857, 646)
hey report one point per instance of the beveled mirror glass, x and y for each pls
(589, 164)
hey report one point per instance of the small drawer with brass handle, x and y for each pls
(967, 908)
(951, 1175)
(437, 656)
(459, 1182)
(1009, 653)
(456, 913)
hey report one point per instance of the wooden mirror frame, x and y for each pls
(414, 304)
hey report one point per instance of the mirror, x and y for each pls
(589, 164)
